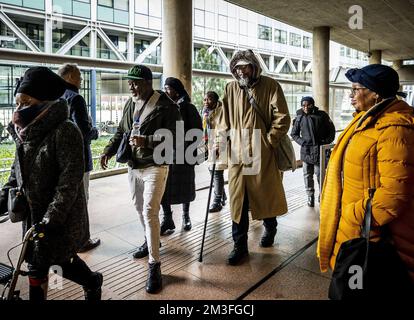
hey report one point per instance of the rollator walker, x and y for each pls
(9, 274)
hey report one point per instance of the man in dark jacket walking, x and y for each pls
(311, 129)
(78, 113)
(146, 111)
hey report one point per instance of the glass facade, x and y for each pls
(78, 8)
(31, 4)
(115, 11)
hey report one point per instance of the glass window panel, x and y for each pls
(199, 4)
(106, 3)
(155, 8)
(121, 4)
(222, 23)
(264, 32)
(243, 27)
(295, 39)
(209, 19)
(280, 36)
(141, 20)
(307, 42)
(232, 25)
(199, 17)
(141, 6)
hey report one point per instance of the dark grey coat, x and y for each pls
(180, 186)
(54, 185)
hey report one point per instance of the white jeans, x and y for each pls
(147, 188)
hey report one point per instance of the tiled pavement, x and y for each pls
(291, 272)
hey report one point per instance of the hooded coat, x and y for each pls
(54, 185)
(374, 151)
(262, 181)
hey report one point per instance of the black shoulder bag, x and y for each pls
(366, 269)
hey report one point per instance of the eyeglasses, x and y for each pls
(354, 90)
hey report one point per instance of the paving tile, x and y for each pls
(235, 279)
(310, 262)
(292, 283)
(182, 285)
(110, 246)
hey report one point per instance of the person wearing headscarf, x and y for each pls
(210, 113)
(49, 162)
(311, 129)
(180, 187)
(375, 152)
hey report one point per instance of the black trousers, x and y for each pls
(240, 230)
(218, 181)
(168, 212)
(75, 270)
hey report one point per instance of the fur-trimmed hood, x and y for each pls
(247, 55)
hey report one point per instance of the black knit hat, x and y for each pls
(177, 85)
(42, 84)
(378, 78)
(308, 99)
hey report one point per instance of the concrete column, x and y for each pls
(376, 57)
(320, 66)
(93, 41)
(397, 64)
(48, 27)
(93, 96)
(131, 35)
(177, 43)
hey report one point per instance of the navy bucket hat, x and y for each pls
(378, 78)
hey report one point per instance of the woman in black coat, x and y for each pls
(180, 187)
(49, 161)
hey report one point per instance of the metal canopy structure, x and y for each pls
(387, 24)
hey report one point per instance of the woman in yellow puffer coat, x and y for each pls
(376, 151)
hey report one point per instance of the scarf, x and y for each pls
(206, 123)
(330, 208)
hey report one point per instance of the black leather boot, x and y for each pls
(215, 207)
(142, 251)
(311, 201)
(167, 224)
(224, 198)
(94, 291)
(268, 237)
(237, 255)
(186, 221)
(154, 281)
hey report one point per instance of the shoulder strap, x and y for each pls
(367, 224)
(253, 103)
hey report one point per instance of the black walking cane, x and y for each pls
(200, 259)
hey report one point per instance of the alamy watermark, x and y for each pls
(355, 22)
(190, 147)
(56, 277)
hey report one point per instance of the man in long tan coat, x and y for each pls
(260, 190)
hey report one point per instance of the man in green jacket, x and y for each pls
(147, 111)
